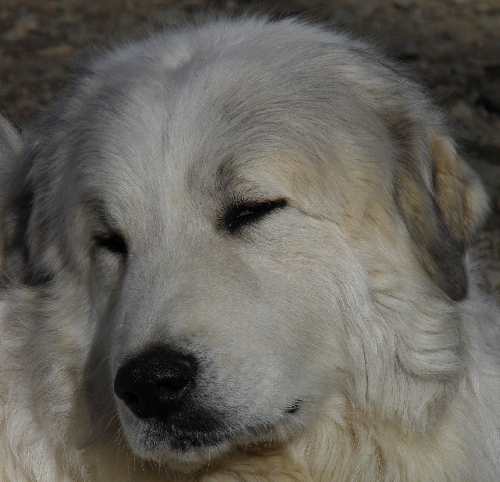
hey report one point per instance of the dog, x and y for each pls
(240, 250)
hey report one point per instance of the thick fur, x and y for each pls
(339, 333)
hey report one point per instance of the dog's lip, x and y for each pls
(189, 450)
(190, 440)
(182, 442)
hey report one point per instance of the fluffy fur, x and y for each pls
(271, 219)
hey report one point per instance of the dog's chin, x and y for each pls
(173, 446)
(188, 448)
(177, 453)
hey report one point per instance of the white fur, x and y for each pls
(336, 304)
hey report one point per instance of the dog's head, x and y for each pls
(230, 202)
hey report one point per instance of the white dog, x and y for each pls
(238, 252)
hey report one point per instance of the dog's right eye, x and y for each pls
(114, 243)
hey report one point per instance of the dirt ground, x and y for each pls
(453, 46)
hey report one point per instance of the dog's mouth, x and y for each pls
(188, 438)
(184, 436)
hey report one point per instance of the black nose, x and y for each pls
(155, 383)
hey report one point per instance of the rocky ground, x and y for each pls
(452, 45)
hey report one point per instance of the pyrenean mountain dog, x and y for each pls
(238, 252)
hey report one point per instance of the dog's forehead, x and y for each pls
(219, 116)
(201, 123)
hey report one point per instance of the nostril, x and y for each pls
(129, 397)
(154, 383)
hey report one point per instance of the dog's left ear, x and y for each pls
(443, 204)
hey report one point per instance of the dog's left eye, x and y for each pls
(248, 213)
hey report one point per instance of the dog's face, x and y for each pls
(207, 226)
(223, 207)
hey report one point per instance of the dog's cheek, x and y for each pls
(322, 293)
(107, 268)
(104, 282)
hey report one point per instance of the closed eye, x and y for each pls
(246, 213)
(111, 242)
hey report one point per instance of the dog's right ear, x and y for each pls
(11, 146)
(11, 185)
(10, 140)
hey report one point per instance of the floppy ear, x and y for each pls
(15, 200)
(443, 204)
(10, 151)
(10, 140)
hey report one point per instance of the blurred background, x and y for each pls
(452, 46)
